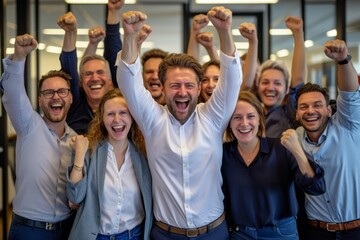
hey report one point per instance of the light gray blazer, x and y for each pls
(87, 192)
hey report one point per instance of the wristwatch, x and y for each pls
(346, 60)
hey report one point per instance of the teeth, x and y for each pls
(96, 86)
(311, 119)
(118, 128)
(245, 131)
(270, 95)
(56, 105)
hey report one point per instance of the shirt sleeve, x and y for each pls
(221, 105)
(348, 110)
(68, 61)
(15, 99)
(142, 106)
(311, 185)
(112, 45)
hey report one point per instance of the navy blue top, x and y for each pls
(281, 118)
(263, 193)
(80, 114)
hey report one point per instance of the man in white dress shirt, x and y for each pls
(183, 139)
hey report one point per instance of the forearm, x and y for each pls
(90, 49)
(303, 163)
(193, 46)
(227, 45)
(250, 66)
(347, 77)
(298, 69)
(69, 43)
(212, 51)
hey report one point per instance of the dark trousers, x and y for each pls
(21, 232)
(314, 233)
(219, 233)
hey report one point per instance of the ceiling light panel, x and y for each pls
(236, 1)
(95, 1)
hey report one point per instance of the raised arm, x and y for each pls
(69, 24)
(133, 22)
(68, 56)
(206, 39)
(347, 76)
(298, 69)
(221, 18)
(112, 41)
(248, 31)
(15, 100)
(199, 22)
(96, 35)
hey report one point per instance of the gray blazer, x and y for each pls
(86, 192)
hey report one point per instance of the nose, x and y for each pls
(212, 83)
(182, 90)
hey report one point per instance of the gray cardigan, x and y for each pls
(86, 192)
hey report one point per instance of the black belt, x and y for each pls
(38, 224)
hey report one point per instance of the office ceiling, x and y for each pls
(165, 17)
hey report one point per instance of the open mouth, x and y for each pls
(312, 119)
(118, 129)
(56, 107)
(182, 105)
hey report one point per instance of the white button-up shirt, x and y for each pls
(184, 160)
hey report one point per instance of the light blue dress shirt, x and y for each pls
(42, 157)
(338, 153)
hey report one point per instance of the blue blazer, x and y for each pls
(87, 192)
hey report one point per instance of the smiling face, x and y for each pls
(181, 92)
(95, 80)
(245, 122)
(56, 108)
(272, 88)
(151, 79)
(313, 113)
(117, 119)
(209, 81)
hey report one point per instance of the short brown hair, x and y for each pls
(179, 60)
(153, 53)
(54, 73)
(311, 87)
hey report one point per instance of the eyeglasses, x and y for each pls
(49, 93)
(89, 74)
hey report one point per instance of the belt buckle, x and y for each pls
(192, 232)
(329, 225)
(49, 226)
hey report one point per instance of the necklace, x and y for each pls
(249, 156)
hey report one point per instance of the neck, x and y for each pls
(58, 127)
(250, 147)
(93, 104)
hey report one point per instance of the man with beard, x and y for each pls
(43, 153)
(150, 62)
(183, 139)
(332, 141)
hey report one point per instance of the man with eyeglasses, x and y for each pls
(43, 152)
